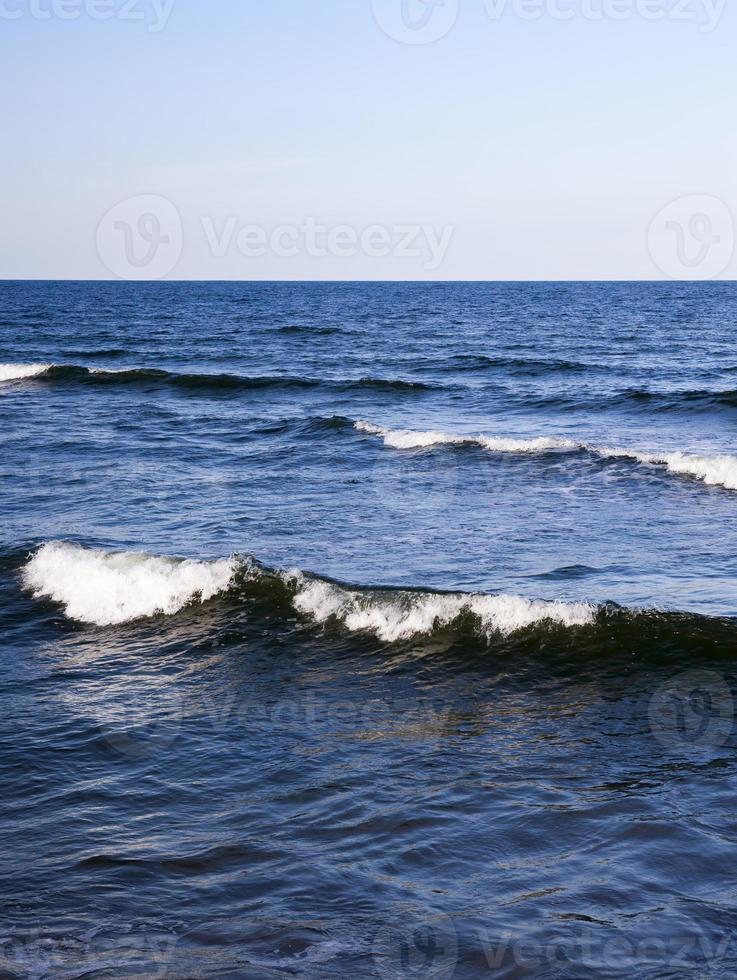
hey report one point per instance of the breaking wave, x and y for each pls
(402, 615)
(107, 588)
(717, 470)
(17, 372)
(714, 471)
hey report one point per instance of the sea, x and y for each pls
(368, 630)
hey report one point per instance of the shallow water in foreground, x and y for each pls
(368, 630)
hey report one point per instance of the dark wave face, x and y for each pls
(367, 630)
(213, 382)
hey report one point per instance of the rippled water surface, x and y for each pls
(368, 630)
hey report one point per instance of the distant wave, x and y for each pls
(696, 399)
(107, 588)
(310, 331)
(208, 382)
(103, 352)
(517, 365)
(309, 424)
(214, 383)
(718, 470)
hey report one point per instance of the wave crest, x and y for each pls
(105, 588)
(404, 615)
(410, 439)
(714, 471)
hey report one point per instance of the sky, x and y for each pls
(368, 139)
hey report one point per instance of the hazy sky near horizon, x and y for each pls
(308, 139)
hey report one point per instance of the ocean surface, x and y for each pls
(368, 630)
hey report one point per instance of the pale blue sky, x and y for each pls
(545, 147)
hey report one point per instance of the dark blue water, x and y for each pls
(368, 630)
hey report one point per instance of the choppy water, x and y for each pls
(368, 630)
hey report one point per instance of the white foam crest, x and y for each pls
(16, 372)
(404, 615)
(410, 439)
(713, 470)
(106, 588)
(538, 445)
(719, 470)
(406, 439)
